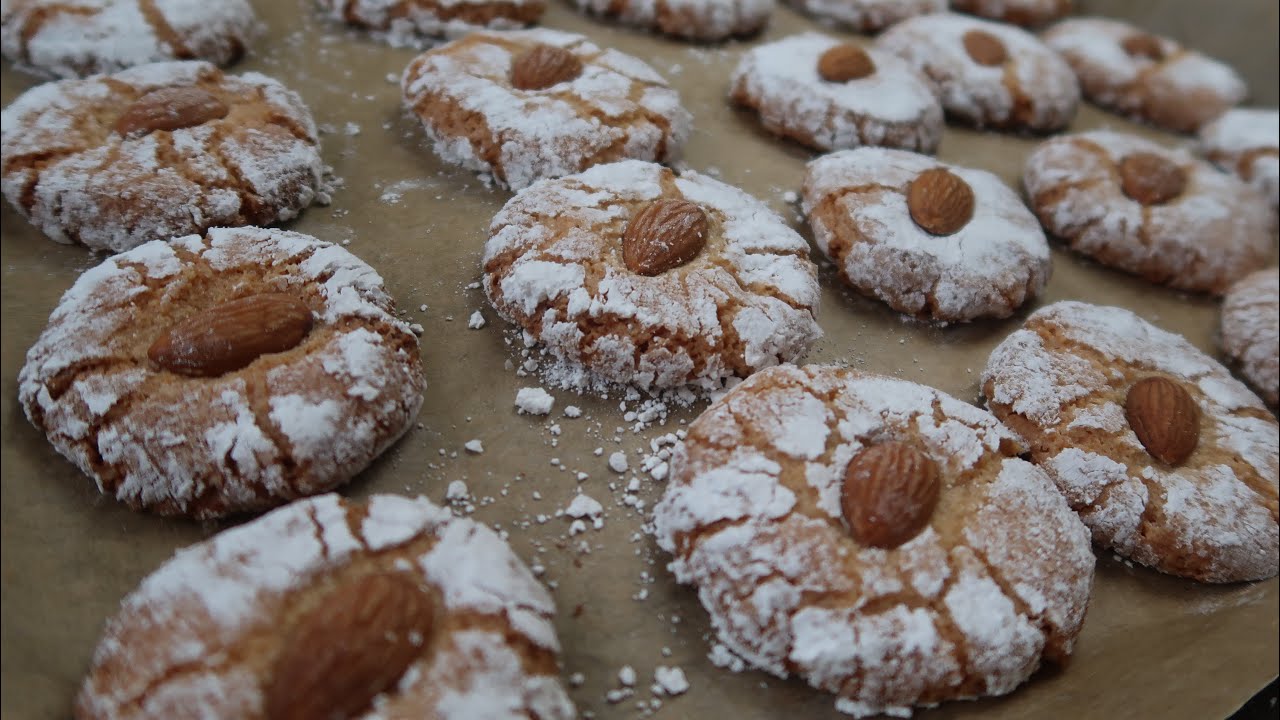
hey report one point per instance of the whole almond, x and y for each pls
(984, 48)
(664, 235)
(890, 491)
(1143, 45)
(1165, 418)
(542, 66)
(845, 62)
(1151, 179)
(229, 336)
(354, 644)
(170, 108)
(940, 202)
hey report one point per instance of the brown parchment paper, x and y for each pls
(1153, 646)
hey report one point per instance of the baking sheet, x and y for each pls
(1152, 645)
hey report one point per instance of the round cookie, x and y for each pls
(1246, 142)
(698, 20)
(867, 206)
(987, 74)
(404, 23)
(158, 151)
(1027, 13)
(831, 95)
(1100, 395)
(583, 105)
(765, 513)
(1149, 210)
(226, 373)
(73, 38)
(636, 275)
(1251, 331)
(868, 15)
(1144, 76)
(329, 608)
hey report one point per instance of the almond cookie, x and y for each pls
(158, 151)
(1149, 210)
(932, 240)
(390, 608)
(72, 38)
(1251, 331)
(1027, 13)
(224, 373)
(1246, 142)
(405, 23)
(868, 15)
(1168, 459)
(533, 104)
(1144, 76)
(875, 537)
(644, 277)
(988, 74)
(700, 20)
(831, 95)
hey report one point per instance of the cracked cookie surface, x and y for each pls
(72, 38)
(1251, 331)
(288, 424)
(201, 635)
(1006, 80)
(700, 20)
(891, 107)
(1246, 143)
(857, 204)
(1027, 13)
(1211, 232)
(998, 579)
(70, 171)
(405, 21)
(554, 265)
(1062, 382)
(868, 15)
(616, 108)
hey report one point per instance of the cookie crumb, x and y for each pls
(534, 401)
(457, 491)
(671, 679)
(618, 462)
(473, 446)
(476, 321)
(627, 676)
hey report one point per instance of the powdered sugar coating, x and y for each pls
(999, 578)
(1027, 13)
(84, 37)
(702, 20)
(1246, 142)
(891, 107)
(1032, 89)
(404, 23)
(202, 631)
(1181, 90)
(1061, 382)
(617, 108)
(856, 201)
(287, 425)
(748, 300)
(869, 15)
(1214, 232)
(69, 172)
(1251, 330)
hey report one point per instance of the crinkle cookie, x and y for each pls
(533, 104)
(644, 277)
(988, 74)
(1027, 13)
(158, 151)
(868, 15)
(1145, 76)
(1246, 142)
(930, 239)
(390, 608)
(71, 38)
(1167, 458)
(406, 22)
(1149, 210)
(1251, 331)
(875, 537)
(226, 373)
(701, 20)
(831, 95)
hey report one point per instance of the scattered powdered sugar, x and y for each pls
(670, 679)
(534, 401)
